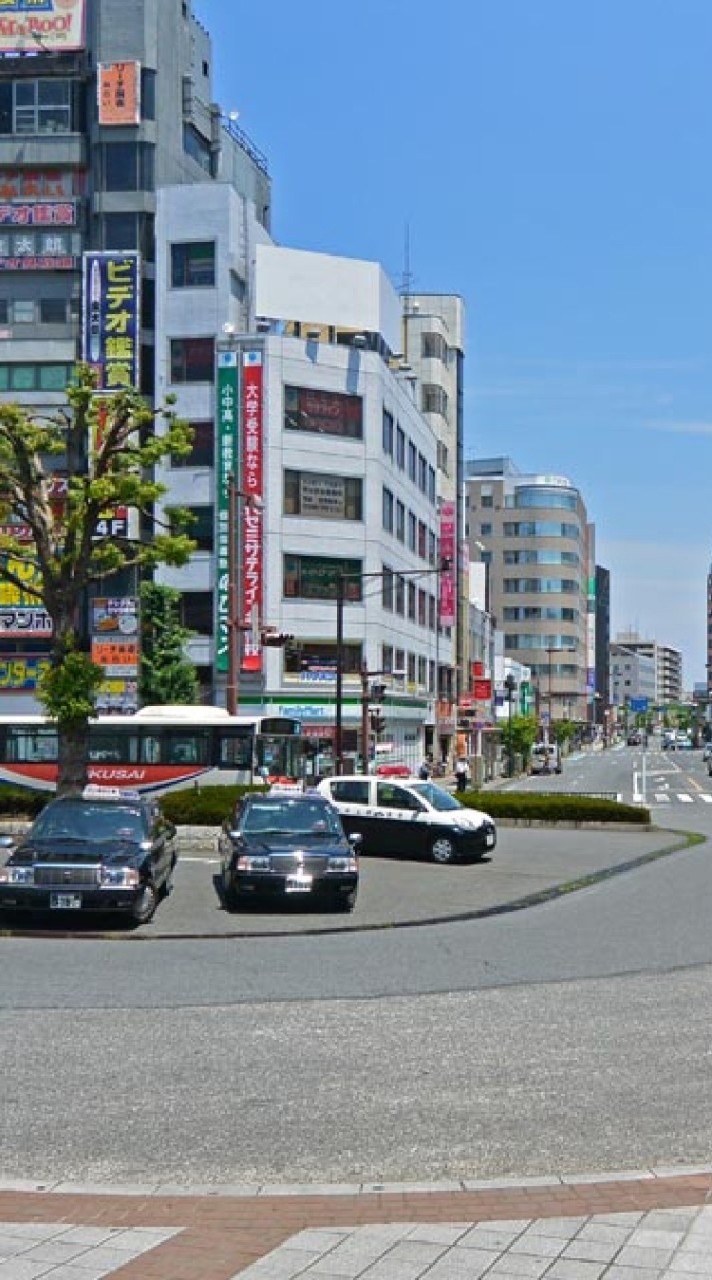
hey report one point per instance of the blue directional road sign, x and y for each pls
(638, 704)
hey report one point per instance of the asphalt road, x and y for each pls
(571, 1036)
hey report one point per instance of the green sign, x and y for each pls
(227, 428)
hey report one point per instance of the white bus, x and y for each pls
(159, 748)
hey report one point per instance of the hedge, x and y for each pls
(528, 806)
(209, 806)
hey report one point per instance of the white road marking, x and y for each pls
(706, 797)
(662, 797)
(685, 799)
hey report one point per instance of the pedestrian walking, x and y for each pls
(461, 774)
(424, 771)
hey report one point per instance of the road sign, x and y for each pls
(638, 704)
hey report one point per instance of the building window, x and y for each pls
(316, 577)
(327, 413)
(192, 360)
(412, 531)
(412, 462)
(4, 311)
(486, 530)
(433, 347)
(202, 527)
(400, 521)
(387, 588)
(431, 484)
(197, 147)
(422, 473)
(400, 595)
(23, 311)
(315, 659)
(400, 447)
(443, 458)
(148, 93)
(202, 452)
(196, 611)
(387, 510)
(53, 310)
(120, 231)
(422, 607)
(128, 166)
(35, 377)
(486, 500)
(42, 106)
(412, 594)
(325, 497)
(193, 265)
(434, 399)
(432, 547)
(387, 658)
(422, 540)
(388, 433)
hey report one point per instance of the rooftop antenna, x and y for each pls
(406, 285)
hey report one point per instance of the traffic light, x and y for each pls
(275, 639)
(378, 722)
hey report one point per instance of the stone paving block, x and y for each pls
(54, 1251)
(606, 1233)
(691, 1264)
(460, 1264)
(631, 1273)
(627, 1219)
(644, 1237)
(536, 1244)
(650, 1258)
(17, 1269)
(282, 1264)
(447, 1233)
(319, 1238)
(521, 1265)
(591, 1250)
(571, 1269)
(489, 1235)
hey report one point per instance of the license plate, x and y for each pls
(298, 883)
(66, 901)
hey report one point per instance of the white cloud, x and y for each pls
(680, 428)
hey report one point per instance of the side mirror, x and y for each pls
(355, 840)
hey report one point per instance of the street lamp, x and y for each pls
(510, 685)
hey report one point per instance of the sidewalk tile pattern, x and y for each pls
(646, 1225)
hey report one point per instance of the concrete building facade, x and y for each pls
(533, 533)
(667, 663)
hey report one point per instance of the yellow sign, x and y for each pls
(12, 595)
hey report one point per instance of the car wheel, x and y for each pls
(344, 901)
(229, 893)
(145, 904)
(442, 849)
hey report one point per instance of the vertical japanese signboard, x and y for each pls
(111, 309)
(447, 552)
(227, 402)
(252, 484)
(119, 93)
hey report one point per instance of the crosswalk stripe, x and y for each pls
(662, 797)
(705, 795)
(684, 799)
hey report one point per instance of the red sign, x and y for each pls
(478, 669)
(483, 690)
(447, 551)
(252, 485)
(54, 213)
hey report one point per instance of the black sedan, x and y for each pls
(102, 851)
(287, 846)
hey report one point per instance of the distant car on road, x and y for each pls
(105, 850)
(635, 739)
(287, 846)
(410, 818)
(545, 757)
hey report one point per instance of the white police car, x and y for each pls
(411, 818)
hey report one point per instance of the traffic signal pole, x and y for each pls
(365, 725)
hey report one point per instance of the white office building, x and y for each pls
(347, 474)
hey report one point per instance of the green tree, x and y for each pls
(166, 674)
(107, 447)
(524, 734)
(563, 731)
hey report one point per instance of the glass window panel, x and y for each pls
(22, 377)
(23, 311)
(54, 377)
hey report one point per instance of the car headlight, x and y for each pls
(119, 878)
(17, 875)
(253, 862)
(345, 863)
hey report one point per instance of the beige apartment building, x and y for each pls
(533, 533)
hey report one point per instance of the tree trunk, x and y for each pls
(73, 753)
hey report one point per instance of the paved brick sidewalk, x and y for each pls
(559, 1228)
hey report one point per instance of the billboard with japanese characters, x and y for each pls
(119, 93)
(27, 26)
(252, 484)
(111, 311)
(227, 414)
(448, 575)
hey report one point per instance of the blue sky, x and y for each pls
(551, 159)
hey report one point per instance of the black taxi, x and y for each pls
(102, 850)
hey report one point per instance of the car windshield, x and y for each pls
(291, 817)
(82, 820)
(435, 796)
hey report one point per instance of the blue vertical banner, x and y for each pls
(111, 318)
(227, 465)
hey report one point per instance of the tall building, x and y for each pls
(602, 694)
(667, 664)
(101, 103)
(632, 675)
(533, 533)
(344, 464)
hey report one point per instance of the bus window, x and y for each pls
(31, 746)
(235, 748)
(151, 748)
(112, 746)
(189, 746)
